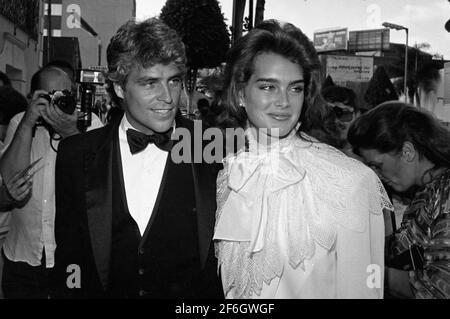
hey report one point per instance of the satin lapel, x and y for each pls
(98, 168)
(204, 176)
(205, 198)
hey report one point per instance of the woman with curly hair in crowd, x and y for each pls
(410, 150)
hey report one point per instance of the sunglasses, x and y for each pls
(342, 114)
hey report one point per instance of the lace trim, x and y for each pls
(336, 190)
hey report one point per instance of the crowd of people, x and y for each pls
(298, 207)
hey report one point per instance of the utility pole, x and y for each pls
(99, 50)
(400, 27)
(49, 30)
(406, 67)
(250, 15)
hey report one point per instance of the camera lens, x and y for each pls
(64, 100)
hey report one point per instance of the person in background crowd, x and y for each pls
(320, 123)
(428, 80)
(206, 113)
(410, 149)
(4, 82)
(12, 192)
(203, 106)
(104, 108)
(33, 137)
(97, 108)
(344, 105)
(296, 218)
(146, 230)
(343, 101)
(11, 103)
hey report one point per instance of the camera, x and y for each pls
(64, 100)
(91, 77)
(88, 80)
(68, 102)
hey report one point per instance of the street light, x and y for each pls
(399, 27)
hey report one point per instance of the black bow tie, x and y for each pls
(138, 141)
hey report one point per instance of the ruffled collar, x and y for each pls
(266, 181)
(276, 204)
(276, 144)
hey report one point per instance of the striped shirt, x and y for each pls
(426, 223)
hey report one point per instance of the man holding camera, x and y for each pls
(33, 137)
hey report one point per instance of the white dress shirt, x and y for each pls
(31, 228)
(142, 175)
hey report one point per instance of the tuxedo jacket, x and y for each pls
(84, 218)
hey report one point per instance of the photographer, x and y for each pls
(28, 251)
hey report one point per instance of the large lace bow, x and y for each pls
(260, 184)
(275, 205)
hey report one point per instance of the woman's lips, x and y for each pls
(280, 116)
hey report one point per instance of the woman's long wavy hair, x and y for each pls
(272, 36)
(389, 125)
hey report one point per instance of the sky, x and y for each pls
(425, 19)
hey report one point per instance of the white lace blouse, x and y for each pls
(299, 220)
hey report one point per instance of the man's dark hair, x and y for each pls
(340, 94)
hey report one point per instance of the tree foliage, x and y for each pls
(201, 25)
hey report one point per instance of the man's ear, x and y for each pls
(409, 152)
(118, 89)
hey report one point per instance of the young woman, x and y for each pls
(296, 218)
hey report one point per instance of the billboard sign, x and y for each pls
(369, 40)
(349, 68)
(331, 40)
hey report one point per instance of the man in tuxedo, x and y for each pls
(132, 222)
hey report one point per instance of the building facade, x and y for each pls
(92, 22)
(20, 40)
